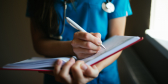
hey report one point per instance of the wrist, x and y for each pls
(70, 50)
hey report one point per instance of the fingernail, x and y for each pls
(58, 62)
(84, 66)
(99, 42)
(72, 59)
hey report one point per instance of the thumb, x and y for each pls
(91, 71)
(98, 35)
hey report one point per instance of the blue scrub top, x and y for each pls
(91, 17)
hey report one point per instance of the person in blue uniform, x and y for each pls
(48, 24)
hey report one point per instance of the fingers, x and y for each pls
(76, 69)
(83, 50)
(62, 75)
(98, 35)
(83, 55)
(94, 38)
(91, 71)
(83, 73)
(77, 72)
(84, 44)
(67, 65)
(84, 67)
(57, 67)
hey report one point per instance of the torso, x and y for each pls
(87, 13)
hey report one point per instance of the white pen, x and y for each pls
(76, 26)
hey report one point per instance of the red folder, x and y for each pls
(113, 45)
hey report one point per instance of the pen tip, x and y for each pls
(103, 46)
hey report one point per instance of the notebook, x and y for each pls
(113, 45)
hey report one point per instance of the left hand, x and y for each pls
(82, 73)
(74, 72)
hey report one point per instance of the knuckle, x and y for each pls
(75, 34)
(62, 75)
(98, 35)
(97, 39)
(86, 35)
(90, 51)
(72, 42)
(95, 75)
(68, 64)
(80, 61)
(98, 48)
(75, 50)
(80, 56)
(74, 69)
(88, 45)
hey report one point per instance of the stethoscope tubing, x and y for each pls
(64, 17)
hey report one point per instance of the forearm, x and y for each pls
(116, 27)
(52, 48)
(49, 47)
(103, 64)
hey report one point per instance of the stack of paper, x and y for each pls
(113, 45)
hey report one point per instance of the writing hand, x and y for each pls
(86, 44)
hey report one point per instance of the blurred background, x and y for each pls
(143, 63)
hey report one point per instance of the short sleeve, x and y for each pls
(122, 8)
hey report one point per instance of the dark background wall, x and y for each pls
(139, 21)
(16, 44)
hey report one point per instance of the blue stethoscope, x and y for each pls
(106, 6)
